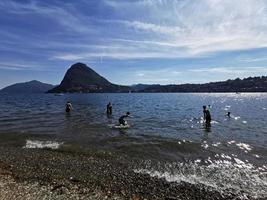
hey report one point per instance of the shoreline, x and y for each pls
(10, 188)
(60, 174)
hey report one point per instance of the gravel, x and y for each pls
(58, 174)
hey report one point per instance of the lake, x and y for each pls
(166, 139)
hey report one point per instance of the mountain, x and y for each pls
(140, 87)
(81, 78)
(251, 84)
(28, 87)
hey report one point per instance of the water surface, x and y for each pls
(166, 139)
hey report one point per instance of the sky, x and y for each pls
(133, 41)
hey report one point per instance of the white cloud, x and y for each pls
(198, 75)
(62, 15)
(21, 65)
(253, 59)
(231, 70)
(201, 26)
(142, 29)
(162, 76)
(159, 29)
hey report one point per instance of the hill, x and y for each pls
(81, 78)
(251, 84)
(28, 87)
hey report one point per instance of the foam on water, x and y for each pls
(214, 122)
(205, 145)
(240, 177)
(216, 144)
(226, 108)
(237, 118)
(244, 146)
(36, 144)
(231, 142)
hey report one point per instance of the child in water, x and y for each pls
(68, 107)
(109, 109)
(121, 119)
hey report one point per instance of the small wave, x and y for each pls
(226, 108)
(216, 144)
(237, 118)
(205, 145)
(244, 146)
(240, 177)
(214, 122)
(36, 144)
(226, 156)
(231, 142)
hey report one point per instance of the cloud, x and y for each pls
(63, 15)
(21, 65)
(176, 29)
(152, 29)
(199, 75)
(159, 29)
(253, 59)
(162, 76)
(201, 26)
(231, 70)
(119, 55)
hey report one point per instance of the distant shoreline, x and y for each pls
(80, 78)
(137, 93)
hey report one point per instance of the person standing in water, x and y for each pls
(228, 114)
(68, 107)
(109, 109)
(122, 119)
(204, 113)
(207, 117)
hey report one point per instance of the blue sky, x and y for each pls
(133, 41)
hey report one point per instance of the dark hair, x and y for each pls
(204, 107)
(128, 113)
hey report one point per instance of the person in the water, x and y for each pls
(122, 119)
(109, 109)
(204, 113)
(68, 107)
(207, 117)
(228, 114)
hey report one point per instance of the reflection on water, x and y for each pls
(166, 129)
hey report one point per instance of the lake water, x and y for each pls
(166, 139)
